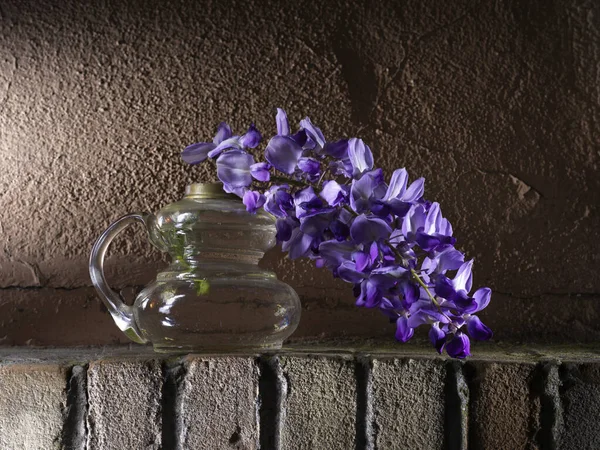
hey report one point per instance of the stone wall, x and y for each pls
(495, 103)
(295, 400)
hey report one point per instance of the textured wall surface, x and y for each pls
(496, 103)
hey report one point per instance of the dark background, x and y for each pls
(495, 103)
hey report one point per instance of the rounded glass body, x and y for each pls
(213, 297)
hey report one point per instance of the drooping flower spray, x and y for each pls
(333, 206)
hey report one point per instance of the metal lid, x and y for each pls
(207, 190)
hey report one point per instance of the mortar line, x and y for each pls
(74, 432)
(364, 404)
(456, 409)
(173, 373)
(272, 388)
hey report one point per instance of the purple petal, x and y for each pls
(415, 191)
(309, 165)
(459, 346)
(449, 259)
(370, 296)
(260, 171)
(434, 214)
(252, 137)
(336, 252)
(366, 190)
(340, 230)
(415, 219)
(237, 190)
(284, 229)
(360, 156)
(437, 338)
(444, 288)
(427, 242)
(223, 132)
(374, 252)
(464, 277)
(334, 193)
(361, 260)
(403, 331)
(464, 303)
(283, 153)
(337, 149)
(279, 201)
(300, 138)
(367, 230)
(347, 272)
(305, 196)
(391, 271)
(482, 297)
(411, 292)
(313, 132)
(316, 223)
(196, 153)
(233, 168)
(298, 245)
(253, 200)
(397, 184)
(283, 127)
(477, 329)
(232, 142)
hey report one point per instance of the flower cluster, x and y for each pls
(333, 206)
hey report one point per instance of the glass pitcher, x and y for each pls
(213, 297)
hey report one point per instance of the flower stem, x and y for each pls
(432, 297)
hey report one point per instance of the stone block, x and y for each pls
(124, 405)
(219, 404)
(408, 403)
(580, 399)
(504, 410)
(32, 398)
(319, 403)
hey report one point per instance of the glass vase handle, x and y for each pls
(121, 313)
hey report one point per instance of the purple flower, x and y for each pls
(456, 291)
(398, 198)
(477, 329)
(260, 171)
(360, 156)
(394, 247)
(367, 257)
(314, 134)
(223, 140)
(253, 200)
(309, 165)
(445, 258)
(278, 201)
(283, 126)
(459, 346)
(369, 229)
(233, 169)
(337, 150)
(334, 193)
(252, 137)
(285, 227)
(403, 331)
(283, 153)
(196, 153)
(437, 337)
(298, 245)
(335, 253)
(370, 295)
(367, 190)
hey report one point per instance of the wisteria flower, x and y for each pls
(333, 205)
